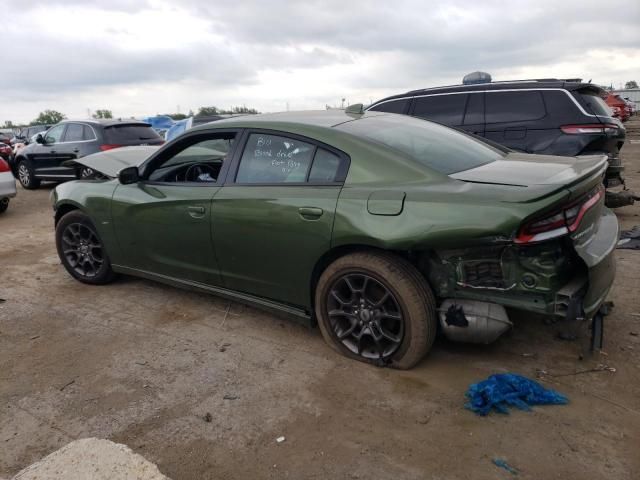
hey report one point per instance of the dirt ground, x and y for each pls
(140, 363)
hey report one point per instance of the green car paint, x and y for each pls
(267, 244)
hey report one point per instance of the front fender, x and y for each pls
(93, 197)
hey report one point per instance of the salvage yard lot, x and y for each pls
(142, 364)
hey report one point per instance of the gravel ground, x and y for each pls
(144, 364)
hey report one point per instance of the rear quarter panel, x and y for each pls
(436, 214)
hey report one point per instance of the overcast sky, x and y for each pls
(146, 57)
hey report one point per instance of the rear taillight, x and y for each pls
(4, 166)
(589, 128)
(109, 146)
(560, 222)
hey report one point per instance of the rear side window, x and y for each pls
(593, 103)
(441, 148)
(130, 135)
(513, 106)
(274, 159)
(392, 106)
(325, 167)
(445, 109)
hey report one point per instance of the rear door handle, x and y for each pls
(310, 213)
(196, 211)
(52, 151)
(75, 150)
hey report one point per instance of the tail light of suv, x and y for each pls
(589, 128)
(560, 222)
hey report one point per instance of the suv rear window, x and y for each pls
(441, 148)
(513, 106)
(593, 103)
(445, 109)
(131, 135)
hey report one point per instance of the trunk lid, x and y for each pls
(525, 170)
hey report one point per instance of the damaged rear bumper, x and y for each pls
(568, 279)
(597, 252)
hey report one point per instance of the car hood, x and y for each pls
(109, 163)
(525, 170)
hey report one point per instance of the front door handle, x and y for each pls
(196, 211)
(75, 150)
(310, 213)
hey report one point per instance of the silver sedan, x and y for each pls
(7, 185)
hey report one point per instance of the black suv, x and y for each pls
(50, 156)
(546, 116)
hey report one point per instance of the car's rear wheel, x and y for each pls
(26, 175)
(376, 307)
(4, 204)
(81, 250)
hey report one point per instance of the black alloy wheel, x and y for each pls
(365, 316)
(376, 307)
(82, 249)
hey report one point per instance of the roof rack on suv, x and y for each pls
(500, 82)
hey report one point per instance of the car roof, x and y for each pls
(566, 84)
(106, 122)
(308, 118)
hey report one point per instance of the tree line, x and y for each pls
(51, 117)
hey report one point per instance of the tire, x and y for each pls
(387, 341)
(81, 250)
(26, 175)
(4, 204)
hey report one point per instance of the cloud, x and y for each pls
(150, 56)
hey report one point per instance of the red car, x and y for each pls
(619, 106)
(5, 150)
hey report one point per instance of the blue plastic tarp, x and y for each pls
(498, 392)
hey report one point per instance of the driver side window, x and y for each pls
(198, 160)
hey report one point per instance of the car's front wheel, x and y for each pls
(26, 176)
(376, 307)
(81, 250)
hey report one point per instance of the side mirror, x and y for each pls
(40, 139)
(129, 175)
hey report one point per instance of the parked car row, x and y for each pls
(378, 225)
(620, 107)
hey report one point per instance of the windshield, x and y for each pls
(433, 145)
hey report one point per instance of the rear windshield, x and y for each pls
(38, 129)
(131, 135)
(593, 103)
(443, 149)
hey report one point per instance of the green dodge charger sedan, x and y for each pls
(381, 228)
